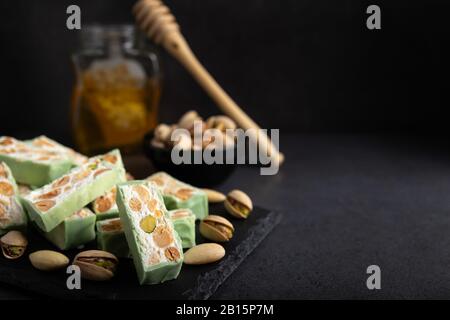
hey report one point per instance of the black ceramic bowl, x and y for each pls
(200, 175)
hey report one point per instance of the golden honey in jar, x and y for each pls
(116, 95)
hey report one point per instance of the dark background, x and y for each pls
(301, 66)
(305, 66)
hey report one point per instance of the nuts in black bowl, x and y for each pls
(194, 150)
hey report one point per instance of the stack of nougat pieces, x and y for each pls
(72, 200)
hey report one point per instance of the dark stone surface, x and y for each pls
(193, 283)
(348, 202)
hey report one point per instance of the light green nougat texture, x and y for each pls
(159, 272)
(45, 143)
(111, 212)
(12, 214)
(79, 197)
(197, 202)
(184, 226)
(112, 240)
(73, 232)
(27, 164)
(35, 173)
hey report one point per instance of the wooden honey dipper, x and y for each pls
(156, 20)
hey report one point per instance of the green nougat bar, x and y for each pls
(111, 238)
(154, 245)
(12, 215)
(74, 231)
(48, 144)
(105, 206)
(51, 204)
(180, 195)
(31, 165)
(184, 224)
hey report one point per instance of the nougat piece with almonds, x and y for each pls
(111, 238)
(180, 195)
(12, 215)
(50, 205)
(76, 230)
(154, 245)
(184, 224)
(32, 165)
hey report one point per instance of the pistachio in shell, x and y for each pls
(214, 196)
(216, 228)
(48, 260)
(238, 204)
(162, 133)
(204, 253)
(188, 119)
(13, 244)
(96, 265)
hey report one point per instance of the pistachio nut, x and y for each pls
(47, 260)
(198, 126)
(204, 253)
(162, 132)
(184, 142)
(96, 265)
(214, 196)
(188, 119)
(238, 204)
(220, 122)
(216, 228)
(13, 244)
(148, 224)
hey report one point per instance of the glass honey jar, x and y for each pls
(117, 89)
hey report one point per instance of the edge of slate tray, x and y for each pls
(209, 282)
(204, 285)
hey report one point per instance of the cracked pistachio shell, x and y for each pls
(13, 244)
(214, 196)
(48, 260)
(92, 271)
(204, 253)
(14, 238)
(238, 204)
(216, 228)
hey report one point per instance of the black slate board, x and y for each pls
(194, 282)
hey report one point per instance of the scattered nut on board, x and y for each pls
(216, 228)
(238, 204)
(214, 196)
(96, 265)
(204, 253)
(48, 260)
(13, 244)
